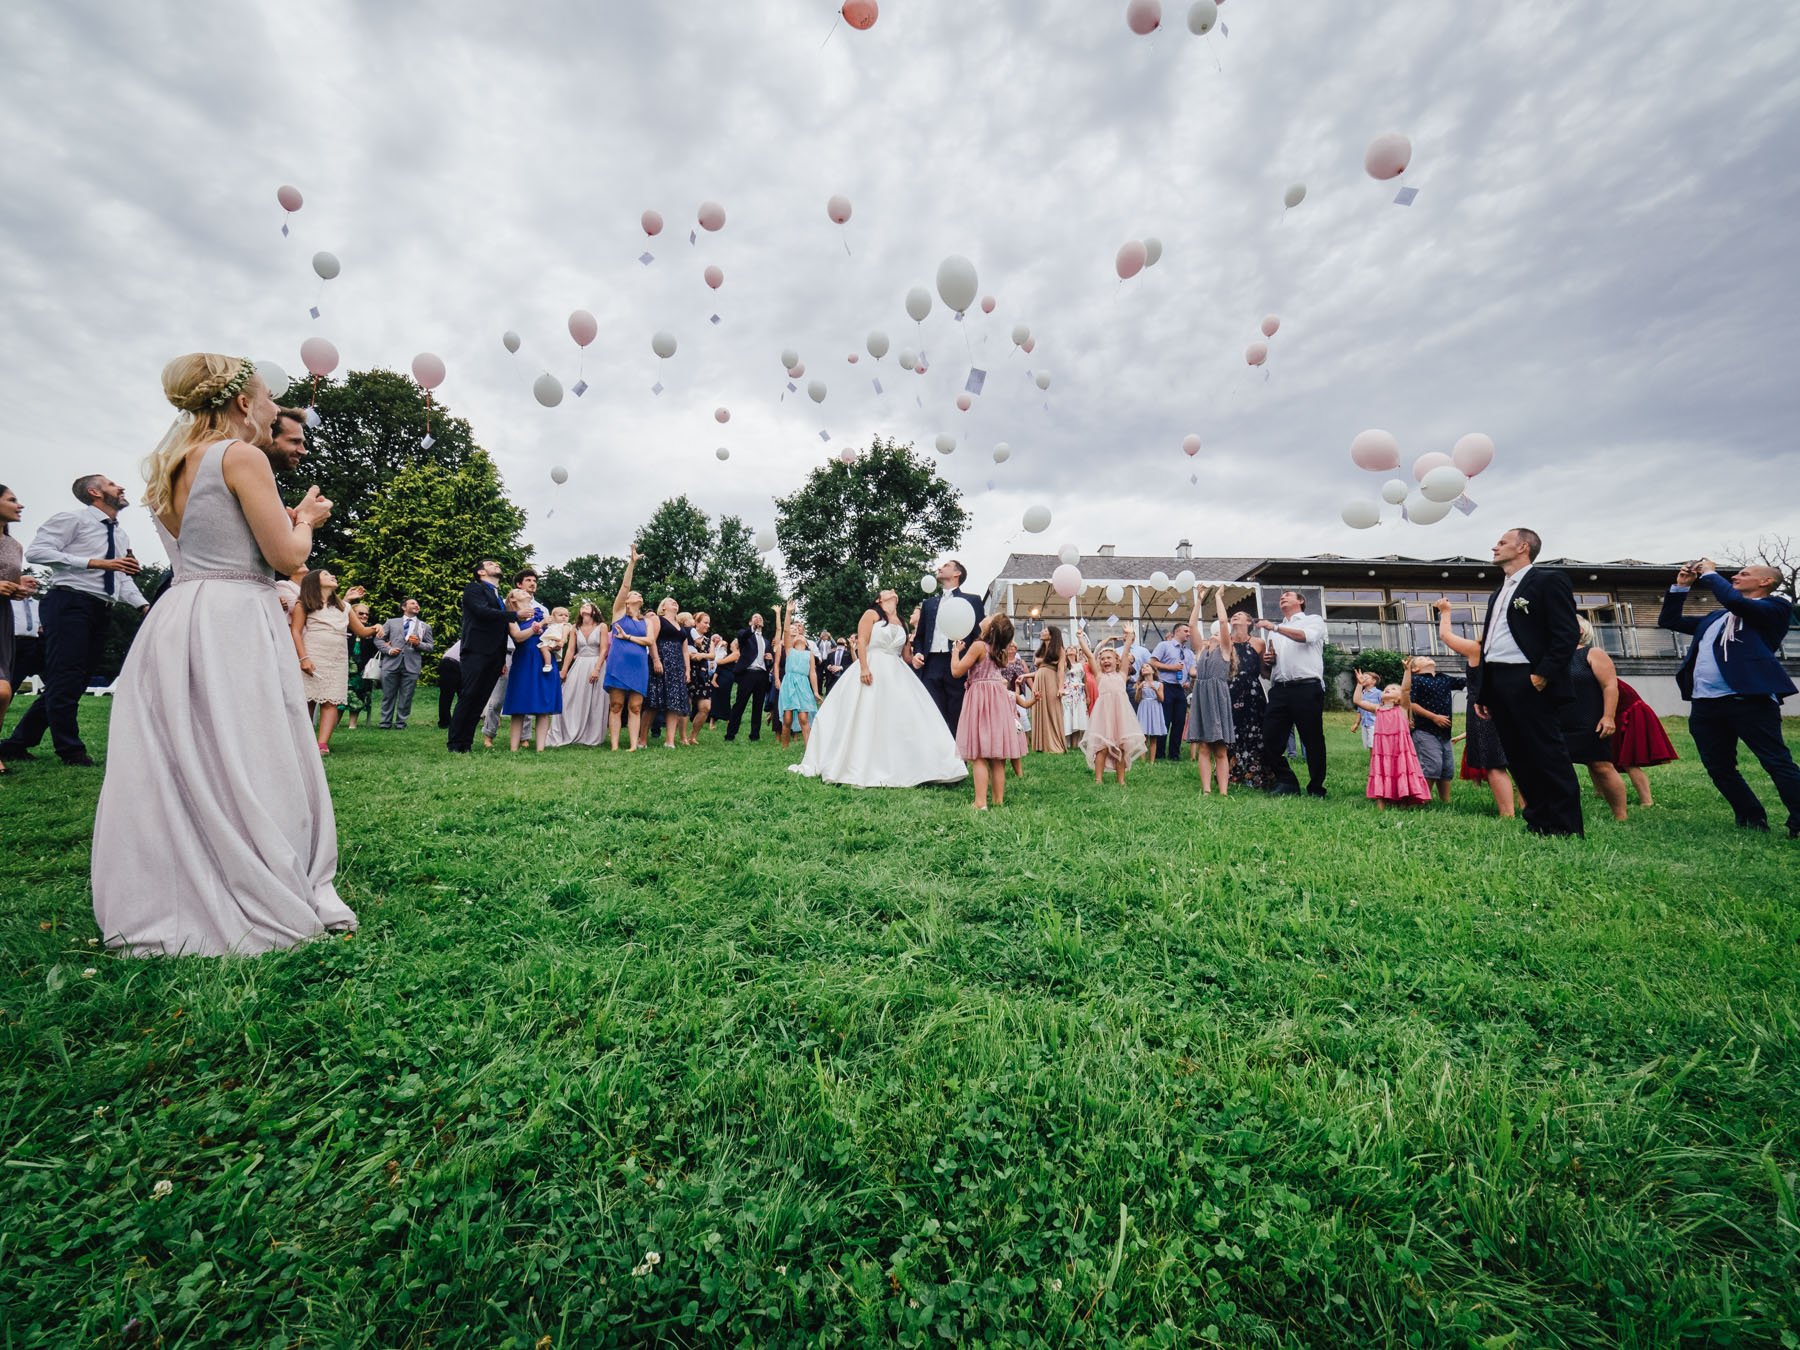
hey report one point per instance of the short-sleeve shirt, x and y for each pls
(1175, 654)
(1432, 693)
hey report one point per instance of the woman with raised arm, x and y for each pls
(321, 624)
(1484, 760)
(627, 677)
(215, 832)
(1210, 727)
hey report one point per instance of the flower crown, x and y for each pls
(234, 386)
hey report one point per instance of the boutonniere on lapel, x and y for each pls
(1522, 605)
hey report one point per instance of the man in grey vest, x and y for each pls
(404, 641)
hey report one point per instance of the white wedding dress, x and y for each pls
(887, 733)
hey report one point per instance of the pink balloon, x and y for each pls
(721, 414)
(1472, 453)
(838, 208)
(318, 356)
(1143, 16)
(1269, 325)
(712, 216)
(583, 327)
(796, 370)
(652, 221)
(964, 402)
(1375, 450)
(1066, 580)
(1130, 260)
(428, 370)
(860, 14)
(1256, 353)
(714, 277)
(289, 197)
(987, 304)
(1425, 463)
(1388, 156)
(1028, 346)
(848, 454)
(1190, 445)
(852, 358)
(919, 369)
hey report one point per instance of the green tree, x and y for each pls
(422, 535)
(589, 577)
(736, 582)
(371, 426)
(674, 545)
(851, 529)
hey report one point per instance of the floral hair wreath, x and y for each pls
(234, 386)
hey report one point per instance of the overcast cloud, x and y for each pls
(1598, 270)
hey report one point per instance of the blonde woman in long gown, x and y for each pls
(1046, 701)
(215, 833)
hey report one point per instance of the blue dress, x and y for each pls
(530, 689)
(796, 682)
(627, 664)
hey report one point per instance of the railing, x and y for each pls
(1621, 640)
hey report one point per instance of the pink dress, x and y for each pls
(1394, 772)
(1112, 725)
(989, 726)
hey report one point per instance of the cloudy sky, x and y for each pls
(1598, 270)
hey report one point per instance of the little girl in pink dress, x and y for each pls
(1113, 739)
(1394, 772)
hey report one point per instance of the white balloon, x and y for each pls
(955, 617)
(1152, 251)
(1159, 580)
(1295, 194)
(273, 376)
(956, 283)
(765, 539)
(1114, 592)
(1069, 554)
(1002, 453)
(815, 390)
(878, 344)
(326, 265)
(1037, 519)
(946, 443)
(559, 475)
(1361, 514)
(1043, 379)
(1184, 581)
(722, 453)
(1472, 453)
(1421, 510)
(918, 303)
(1443, 484)
(909, 359)
(510, 340)
(928, 583)
(789, 358)
(1067, 581)
(1202, 15)
(1020, 335)
(1394, 491)
(663, 344)
(547, 390)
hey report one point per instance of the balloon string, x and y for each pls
(834, 28)
(428, 412)
(315, 392)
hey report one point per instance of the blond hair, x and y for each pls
(194, 384)
(1587, 631)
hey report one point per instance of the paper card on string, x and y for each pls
(1405, 196)
(1224, 29)
(657, 388)
(313, 419)
(877, 384)
(692, 236)
(793, 388)
(646, 258)
(314, 311)
(284, 229)
(824, 435)
(715, 318)
(959, 317)
(578, 388)
(977, 378)
(1463, 504)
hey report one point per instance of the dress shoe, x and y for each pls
(1315, 792)
(1762, 825)
(81, 761)
(12, 752)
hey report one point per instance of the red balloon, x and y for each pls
(860, 14)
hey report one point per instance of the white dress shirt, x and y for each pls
(66, 541)
(940, 640)
(1501, 649)
(28, 620)
(1299, 660)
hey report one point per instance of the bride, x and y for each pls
(880, 727)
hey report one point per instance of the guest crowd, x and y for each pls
(215, 830)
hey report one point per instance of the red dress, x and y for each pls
(1394, 772)
(1639, 740)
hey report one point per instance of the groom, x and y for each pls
(931, 649)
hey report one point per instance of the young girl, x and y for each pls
(1150, 709)
(1366, 699)
(1484, 760)
(1394, 772)
(1113, 736)
(551, 640)
(987, 734)
(798, 673)
(318, 622)
(1209, 727)
(1075, 699)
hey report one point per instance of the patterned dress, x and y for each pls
(1248, 704)
(669, 686)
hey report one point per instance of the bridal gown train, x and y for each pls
(887, 733)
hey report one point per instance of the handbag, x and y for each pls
(372, 668)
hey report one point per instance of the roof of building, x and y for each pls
(1401, 560)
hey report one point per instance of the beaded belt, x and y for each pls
(196, 575)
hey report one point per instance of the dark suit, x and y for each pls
(750, 683)
(1744, 656)
(1541, 616)
(484, 621)
(946, 690)
(835, 666)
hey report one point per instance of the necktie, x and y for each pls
(110, 578)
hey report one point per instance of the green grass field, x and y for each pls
(1108, 1067)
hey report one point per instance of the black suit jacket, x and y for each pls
(1544, 623)
(484, 621)
(746, 645)
(928, 621)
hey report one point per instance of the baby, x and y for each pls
(550, 641)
